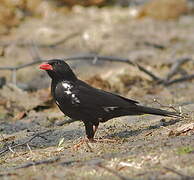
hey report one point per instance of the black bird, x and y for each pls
(81, 101)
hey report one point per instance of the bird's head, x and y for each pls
(58, 70)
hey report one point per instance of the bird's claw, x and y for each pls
(88, 141)
(82, 141)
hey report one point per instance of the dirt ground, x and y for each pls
(33, 142)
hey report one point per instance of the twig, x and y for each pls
(84, 57)
(101, 58)
(175, 67)
(183, 177)
(158, 46)
(165, 106)
(24, 143)
(89, 57)
(184, 78)
(68, 163)
(153, 76)
(114, 59)
(22, 66)
(112, 172)
(36, 163)
(96, 58)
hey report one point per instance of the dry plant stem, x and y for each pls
(36, 163)
(96, 58)
(157, 46)
(115, 59)
(164, 106)
(99, 58)
(112, 172)
(149, 73)
(22, 66)
(184, 78)
(175, 67)
(8, 148)
(84, 57)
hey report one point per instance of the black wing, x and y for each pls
(90, 97)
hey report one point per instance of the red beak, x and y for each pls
(46, 66)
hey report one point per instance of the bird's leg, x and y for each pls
(91, 139)
(90, 131)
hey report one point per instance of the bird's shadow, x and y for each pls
(128, 133)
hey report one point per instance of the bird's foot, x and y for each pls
(84, 141)
(91, 140)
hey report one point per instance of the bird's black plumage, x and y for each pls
(81, 101)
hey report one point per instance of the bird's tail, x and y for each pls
(155, 111)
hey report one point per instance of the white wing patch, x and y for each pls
(107, 109)
(68, 91)
(67, 88)
(75, 99)
(66, 85)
